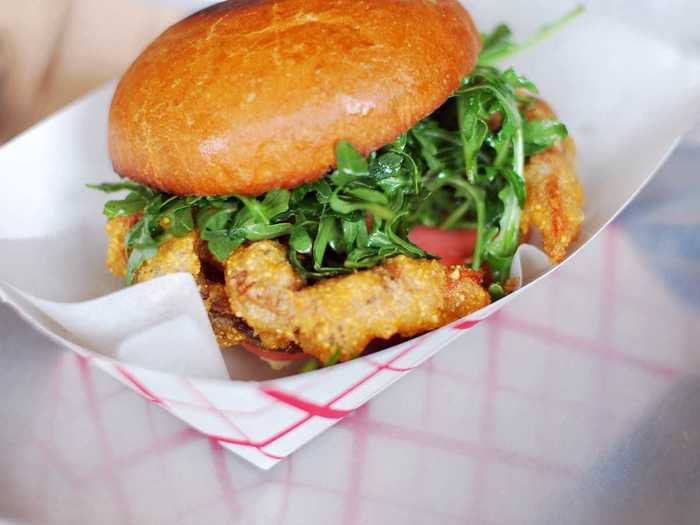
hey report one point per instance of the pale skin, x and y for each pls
(53, 51)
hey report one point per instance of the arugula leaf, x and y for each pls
(498, 37)
(181, 222)
(542, 134)
(140, 244)
(133, 203)
(214, 218)
(275, 203)
(334, 358)
(310, 366)
(501, 249)
(496, 291)
(516, 81)
(499, 45)
(300, 240)
(113, 187)
(326, 230)
(261, 232)
(350, 162)
(222, 248)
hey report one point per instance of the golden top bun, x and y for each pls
(245, 97)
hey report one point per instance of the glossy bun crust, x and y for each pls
(245, 97)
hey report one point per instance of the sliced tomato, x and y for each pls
(272, 355)
(450, 246)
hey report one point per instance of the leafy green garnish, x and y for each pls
(474, 172)
(162, 217)
(499, 44)
(326, 222)
(496, 291)
(334, 358)
(539, 135)
(310, 366)
(462, 167)
(135, 201)
(473, 166)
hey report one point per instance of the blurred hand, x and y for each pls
(52, 51)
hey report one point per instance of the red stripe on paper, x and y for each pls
(143, 389)
(311, 408)
(466, 325)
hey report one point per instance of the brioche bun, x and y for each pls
(246, 97)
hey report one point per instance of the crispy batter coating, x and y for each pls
(554, 203)
(117, 228)
(177, 255)
(343, 315)
(225, 326)
(263, 283)
(174, 255)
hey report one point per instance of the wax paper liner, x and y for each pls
(627, 99)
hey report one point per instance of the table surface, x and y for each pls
(578, 403)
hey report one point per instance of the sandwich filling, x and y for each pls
(327, 267)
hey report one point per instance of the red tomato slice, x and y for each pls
(451, 246)
(274, 356)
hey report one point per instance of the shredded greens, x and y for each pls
(462, 167)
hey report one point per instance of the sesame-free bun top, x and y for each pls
(245, 97)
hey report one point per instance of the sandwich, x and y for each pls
(334, 175)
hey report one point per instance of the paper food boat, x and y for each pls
(626, 98)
